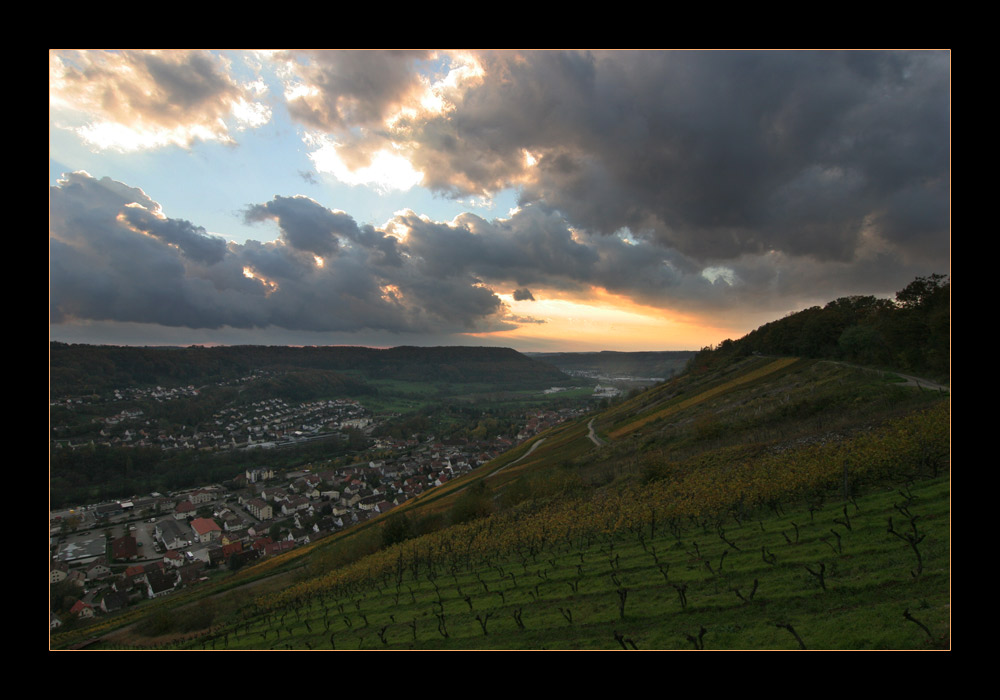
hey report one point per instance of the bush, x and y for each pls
(397, 528)
(475, 502)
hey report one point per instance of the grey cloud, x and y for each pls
(193, 240)
(523, 294)
(119, 263)
(539, 249)
(305, 224)
(308, 226)
(715, 154)
(115, 262)
(82, 196)
(354, 87)
(189, 83)
(733, 153)
(531, 246)
(103, 270)
(272, 260)
(918, 212)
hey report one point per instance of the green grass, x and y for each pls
(567, 595)
(401, 396)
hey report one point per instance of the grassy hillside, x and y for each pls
(768, 503)
(789, 578)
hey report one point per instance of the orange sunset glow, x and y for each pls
(600, 320)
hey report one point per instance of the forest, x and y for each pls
(909, 334)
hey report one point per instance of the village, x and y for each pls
(270, 422)
(109, 556)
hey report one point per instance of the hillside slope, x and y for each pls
(753, 501)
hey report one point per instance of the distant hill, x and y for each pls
(83, 369)
(661, 364)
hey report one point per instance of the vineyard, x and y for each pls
(781, 505)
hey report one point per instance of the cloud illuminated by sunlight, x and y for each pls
(138, 100)
(386, 170)
(130, 138)
(251, 114)
(270, 287)
(715, 273)
(436, 97)
(391, 293)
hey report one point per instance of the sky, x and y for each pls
(540, 200)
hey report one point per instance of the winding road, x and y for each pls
(524, 456)
(593, 436)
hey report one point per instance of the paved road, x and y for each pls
(524, 456)
(922, 383)
(918, 382)
(593, 436)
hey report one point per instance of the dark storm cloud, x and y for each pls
(115, 256)
(193, 240)
(712, 154)
(305, 224)
(723, 182)
(308, 226)
(114, 261)
(532, 246)
(103, 268)
(722, 154)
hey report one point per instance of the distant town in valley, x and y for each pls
(144, 545)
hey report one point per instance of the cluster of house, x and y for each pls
(265, 423)
(273, 421)
(184, 544)
(259, 517)
(104, 590)
(158, 393)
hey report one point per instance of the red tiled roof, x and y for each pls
(204, 525)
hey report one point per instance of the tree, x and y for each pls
(475, 502)
(921, 326)
(864, 344)
(923, 291)
(398, 528)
